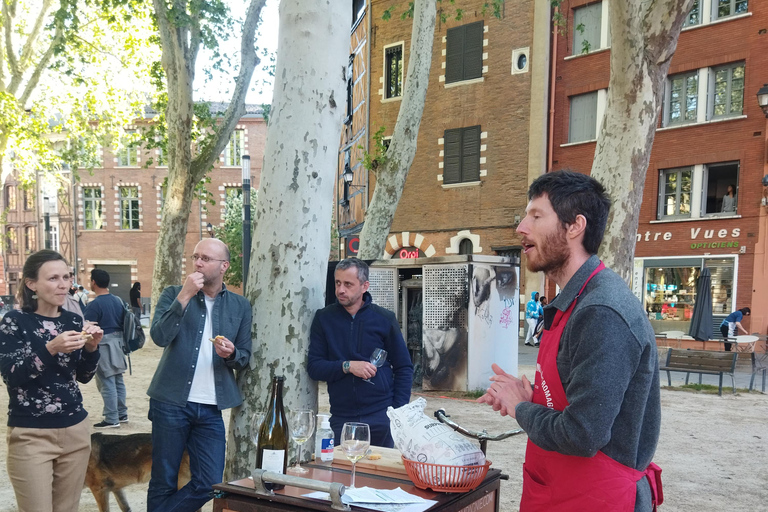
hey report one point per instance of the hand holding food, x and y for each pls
(224, 347)
(66, 342)
(218, 340)
(91, 335)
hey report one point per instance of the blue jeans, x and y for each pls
(112, 391)
(378, 423)
(197, 428)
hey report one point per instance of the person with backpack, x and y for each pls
(108, 312)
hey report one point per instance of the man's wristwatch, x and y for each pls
(345, 366)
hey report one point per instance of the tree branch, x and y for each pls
(13, 64)
(26, 52)
(248, 62)
(41, 65)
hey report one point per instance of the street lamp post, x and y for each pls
(246, 218)
(759, 317)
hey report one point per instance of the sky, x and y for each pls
(221, 86)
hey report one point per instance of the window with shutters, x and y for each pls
(726, 91)
(393, 71)
(464, 53)
(461, 163)
(582, 122)
(675, 192)
(681, 98)
(725, 8)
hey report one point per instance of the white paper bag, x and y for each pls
(424, 439)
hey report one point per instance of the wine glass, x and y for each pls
(355, 441)
(302, 424)
(378, 358)
(256, 420)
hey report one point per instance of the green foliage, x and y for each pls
(585, 45)
(495, 7)
(231, 233)
(77, 74)
(372, 161)
(559, 21)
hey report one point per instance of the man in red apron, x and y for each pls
(594, 412)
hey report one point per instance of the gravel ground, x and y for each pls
(713, 450)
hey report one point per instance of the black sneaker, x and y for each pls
(124, 419)
(104, 424)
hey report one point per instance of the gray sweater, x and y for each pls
(610, 372)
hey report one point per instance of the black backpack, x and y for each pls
(133, 333)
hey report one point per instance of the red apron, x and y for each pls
(556, 482)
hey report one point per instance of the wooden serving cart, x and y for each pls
(385, 473)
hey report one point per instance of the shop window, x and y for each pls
(464, 52)
(722, 285)
(726, 96)
(720, 194)
(675, 193)
(694, 15)
(681, 98)
(393, 68)
(93, 205)
(725, 8)
(582, 120)
(462, 155)
(670, 290)
(129, 208)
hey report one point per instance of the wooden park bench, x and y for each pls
(701, 362)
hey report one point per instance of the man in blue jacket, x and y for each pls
(342, 339)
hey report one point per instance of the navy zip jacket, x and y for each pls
(337, 337)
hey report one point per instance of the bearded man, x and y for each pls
(593, 415)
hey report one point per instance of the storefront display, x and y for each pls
(670, 289)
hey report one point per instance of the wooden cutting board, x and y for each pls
(390, 461)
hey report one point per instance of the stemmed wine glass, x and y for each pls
(302, 424)
(378, 358)
(256, 420)
(355, 441)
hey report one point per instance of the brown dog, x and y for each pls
(119, 461)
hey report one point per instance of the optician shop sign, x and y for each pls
(700, 238)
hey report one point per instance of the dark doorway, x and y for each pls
(119, 280)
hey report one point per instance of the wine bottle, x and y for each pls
(272, 449)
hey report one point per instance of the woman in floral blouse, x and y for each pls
(44, 352)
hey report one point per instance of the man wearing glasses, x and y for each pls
(195, 379)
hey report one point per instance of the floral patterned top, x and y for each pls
(42, 388)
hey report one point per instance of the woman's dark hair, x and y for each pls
(136, 286)
(31, 270)
(746, 311)
(733, 188)
(572, 194)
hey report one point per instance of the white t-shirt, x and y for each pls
(203, 390)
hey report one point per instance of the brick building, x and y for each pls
(711, 137)
(483, 131)
(116, 211)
